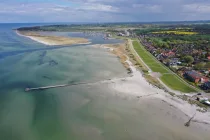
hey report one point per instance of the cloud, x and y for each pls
(98, 7)
(103, 10)
(196, 8)
(148, 8)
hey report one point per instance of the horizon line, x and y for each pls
(107, 22)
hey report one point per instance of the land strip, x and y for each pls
(52, 40)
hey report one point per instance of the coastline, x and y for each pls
(34, 39)
(52, 43)
(137, 86)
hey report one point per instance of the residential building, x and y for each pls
(195, 77)
(206, 86)
(182, 70)
(168, 54)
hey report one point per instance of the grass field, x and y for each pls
(176, 32)
(167, 77)
(174, 82)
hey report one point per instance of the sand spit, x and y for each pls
(52, 40)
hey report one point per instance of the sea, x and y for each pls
(80, 112)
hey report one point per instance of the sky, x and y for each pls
(34, 11)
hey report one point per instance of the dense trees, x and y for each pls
(159, 43)
(207, 66)
(199, 66)
(188, 59)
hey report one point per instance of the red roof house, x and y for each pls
(196, 77)
(168, 54)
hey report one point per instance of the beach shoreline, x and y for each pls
(137, 86)
(34, 39)
(51, 42)
(130, 86)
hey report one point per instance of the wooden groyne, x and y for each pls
(187, 124)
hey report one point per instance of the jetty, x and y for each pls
(74, 84)
(55, 86)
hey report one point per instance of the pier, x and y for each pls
(75, 84)
(55, 86)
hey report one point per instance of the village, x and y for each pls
(194, 66)
(188, 58)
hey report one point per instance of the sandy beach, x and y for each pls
(136, 86)
(53, 40)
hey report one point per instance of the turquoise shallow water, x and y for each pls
(26, 63)
(79, 112)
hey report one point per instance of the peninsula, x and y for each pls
(52, 40)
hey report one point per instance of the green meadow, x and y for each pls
(168, 77)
